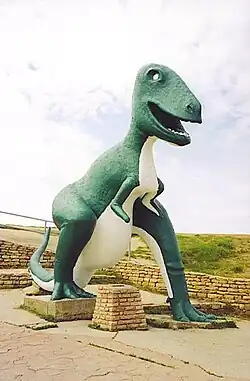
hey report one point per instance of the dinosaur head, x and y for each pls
(161, 100)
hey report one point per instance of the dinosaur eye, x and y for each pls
(154, 75)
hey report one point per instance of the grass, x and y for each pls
(225, 255)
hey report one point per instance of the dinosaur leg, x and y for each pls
(74, 235)
(158, 233)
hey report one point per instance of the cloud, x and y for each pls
(67, 71)
(38, 156)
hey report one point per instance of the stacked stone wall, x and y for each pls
(17, 256)
(203, 287)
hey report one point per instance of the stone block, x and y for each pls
(165, 321)
(123, 309)
(60, 310)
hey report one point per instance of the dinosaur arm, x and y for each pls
(126, 188)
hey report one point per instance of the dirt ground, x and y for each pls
(32, 238)
(24, 237)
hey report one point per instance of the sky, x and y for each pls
(67, 70)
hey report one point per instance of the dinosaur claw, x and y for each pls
(69, 291)
(81, 293)
(208, 316)
(117, 209)
(185, 312)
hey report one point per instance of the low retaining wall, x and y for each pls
(231, 291)
(10, 279)
(17, 256)
(20, 278)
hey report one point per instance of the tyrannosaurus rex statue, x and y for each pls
(97, 214)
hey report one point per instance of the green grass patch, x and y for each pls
(218, 254)
(204, 251)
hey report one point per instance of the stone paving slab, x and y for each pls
(10, 301)
(225, 353)
(167, 322)
(28, 355)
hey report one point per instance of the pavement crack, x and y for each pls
(12, 324)
(208, 371)
(5, 351)
(132, 355)
(98, 375)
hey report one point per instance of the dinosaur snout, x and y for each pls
(193, 111)
(190, 108)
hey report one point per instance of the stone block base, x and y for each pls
(60, 310)
(119, 307)
(166, 321)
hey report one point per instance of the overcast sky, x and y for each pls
(67, 70)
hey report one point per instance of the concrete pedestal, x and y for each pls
(60, 310)
(118, 307)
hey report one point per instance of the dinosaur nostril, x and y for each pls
(190, 108)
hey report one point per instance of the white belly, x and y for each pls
(111, 237)
(107, 245)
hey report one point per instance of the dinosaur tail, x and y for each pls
(40, 276)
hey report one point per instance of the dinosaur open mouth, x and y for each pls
(168, 121)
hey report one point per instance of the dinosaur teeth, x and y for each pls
(178, 132)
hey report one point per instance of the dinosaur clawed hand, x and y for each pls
(118, 210)
(183, 310)
(69, 290)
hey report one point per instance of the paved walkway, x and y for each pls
(27, 355)
(74, 351)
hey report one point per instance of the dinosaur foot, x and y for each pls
(69, 290)
(184, 311)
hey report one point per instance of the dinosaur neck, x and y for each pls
(135, 138)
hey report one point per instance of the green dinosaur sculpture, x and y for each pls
(97, 214)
